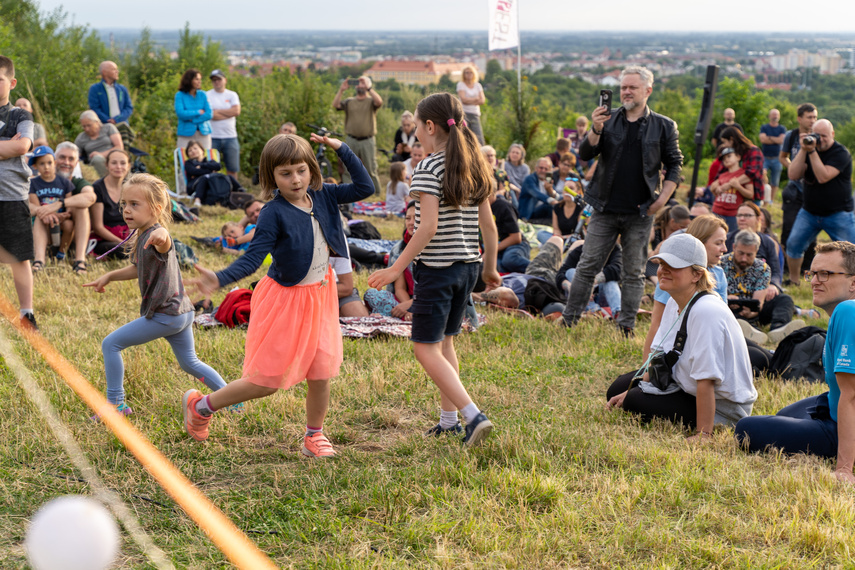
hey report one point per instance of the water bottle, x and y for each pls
(55, 235)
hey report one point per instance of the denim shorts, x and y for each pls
(229, 152)
(440, 299)
(774, 166)
(839, 226)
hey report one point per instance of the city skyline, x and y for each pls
(535, 15)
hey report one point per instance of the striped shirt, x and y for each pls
(456, 236)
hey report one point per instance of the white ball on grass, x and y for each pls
(72, 533)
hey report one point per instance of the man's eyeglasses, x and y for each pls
(746, 215)
(822, 276)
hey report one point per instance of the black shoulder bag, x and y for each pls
(660, 372)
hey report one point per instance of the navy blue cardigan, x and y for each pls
(286, 231)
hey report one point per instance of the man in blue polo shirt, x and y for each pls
(771, 139)
(822, 425)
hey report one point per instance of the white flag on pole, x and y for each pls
(504, 27)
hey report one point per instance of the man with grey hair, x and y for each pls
(76, 206)
(826, 167)
(748, 278)
(110, 100)
(634, 145)
(360, 124)
(537, 195)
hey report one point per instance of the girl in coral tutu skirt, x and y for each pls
(294, 332)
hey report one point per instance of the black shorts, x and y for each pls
(16, 230)
(440, 299)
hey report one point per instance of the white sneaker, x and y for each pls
(777, 335)
(752, 334)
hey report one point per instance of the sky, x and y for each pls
(400, 15)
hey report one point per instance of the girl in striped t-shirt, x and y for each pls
(451, 187)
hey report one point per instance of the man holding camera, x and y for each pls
(826, 167)
(360, 123)
(633, 144)
(748, 279)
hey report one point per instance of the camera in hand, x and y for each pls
(736, 305)
(810, 139)
(353, 82)
(606, 100)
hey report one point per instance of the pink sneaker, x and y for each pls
(195, 423)
(317, 445)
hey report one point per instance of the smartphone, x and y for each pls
(606, 100)
(353, 82)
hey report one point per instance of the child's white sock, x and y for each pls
(310, 431)
(470, 412)
(25, 312)
(204, 407)
(447, 420)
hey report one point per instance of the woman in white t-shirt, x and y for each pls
(714, 381)
(471, 94)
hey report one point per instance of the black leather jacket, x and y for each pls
(660, 144)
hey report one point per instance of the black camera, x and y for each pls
(811, 139)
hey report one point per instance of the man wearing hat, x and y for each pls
(225, 104)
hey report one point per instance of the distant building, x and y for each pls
(415, 72)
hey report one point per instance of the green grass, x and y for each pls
(560, 484)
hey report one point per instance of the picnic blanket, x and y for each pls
(375, 245)
(371, 208)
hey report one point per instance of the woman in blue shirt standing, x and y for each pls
(194, 112)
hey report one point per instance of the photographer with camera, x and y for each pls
(826, 167)
(360, 123)
(748, 279)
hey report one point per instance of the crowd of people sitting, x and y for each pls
(584, 233)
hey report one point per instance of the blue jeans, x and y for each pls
(803, 427)
(839, 227)
(473, 121)
(603, 231)
(514, 258)
(774, 166)
(543, 236)
(229, 152)
(178, 332)
(609, 294)
(730, 221)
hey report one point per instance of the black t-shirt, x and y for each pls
(506, 219)
(401, 138)
(836, 194)
(566, 225)
(629, 190)
(112, 212)
(716, 134)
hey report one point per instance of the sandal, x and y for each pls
(79, 267)
(38, 266)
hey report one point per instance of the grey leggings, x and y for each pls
(177, 330)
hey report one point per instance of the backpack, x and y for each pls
(799, 355)
(539, 293)
(364, 230)
(181, 213)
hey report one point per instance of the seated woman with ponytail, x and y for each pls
(712, 381)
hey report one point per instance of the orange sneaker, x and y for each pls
(195, 423)
(317, 445)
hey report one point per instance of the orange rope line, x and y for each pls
(221, 530)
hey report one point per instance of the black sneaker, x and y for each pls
(477, 430)
(28, 321)
(627, 332)
(438, 430)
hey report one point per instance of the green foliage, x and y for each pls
(517, 120)
(751, 106)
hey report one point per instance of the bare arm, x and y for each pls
(556, 231)
(784, 157)
(845, 427)
(344, 285)
(822, 172)
(116, 139)
(378, 100)
(796, 168)
(337, 100)
(16, 146)
(491, 240)
(220, 114)
(512, 239)
(705, 402)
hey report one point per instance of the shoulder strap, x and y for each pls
(680, 340)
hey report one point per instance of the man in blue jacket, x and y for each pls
(110, 100)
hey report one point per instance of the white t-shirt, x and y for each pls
(715, 349)
(226, 128)
(396, 197)
(320, 254)
(341, 265)
(473, 91)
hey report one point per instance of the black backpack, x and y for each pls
(539, 293)
(799, 355)
(364, 230)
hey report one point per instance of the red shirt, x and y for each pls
(727, 203)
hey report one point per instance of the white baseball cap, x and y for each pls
(682, 250)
